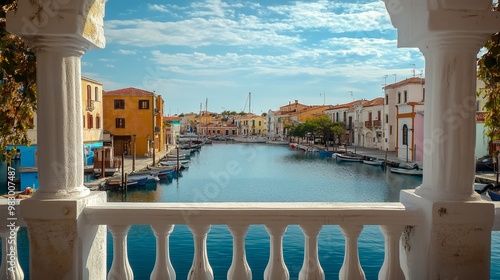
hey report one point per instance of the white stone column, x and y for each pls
(450, 115)
(59, 114)
(454, 239)
(62, 244)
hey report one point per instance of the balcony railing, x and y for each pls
(90, 105)
(376, 123)
(368, 124)
(392, 218)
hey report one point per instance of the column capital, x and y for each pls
(418, 21)
(81, 20)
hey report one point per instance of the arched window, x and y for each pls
(97, 121)
(89, 92)
(90, 120)
(405, 135)
(96, 94)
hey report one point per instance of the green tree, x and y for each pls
(18, 87)
(489, 73)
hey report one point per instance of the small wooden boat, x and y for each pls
(405, 171)
(344, 157)
(376, 162)
(323, 153)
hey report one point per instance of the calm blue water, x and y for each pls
(246, 172)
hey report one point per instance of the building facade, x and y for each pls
(134, 120)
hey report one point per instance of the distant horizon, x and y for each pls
(320, 52)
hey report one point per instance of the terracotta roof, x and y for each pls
(374, 102)
(345, 105)
(128, 91)
(171, 119)
(408, 81)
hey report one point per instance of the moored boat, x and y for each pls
(376, 162)
(416, 172)
(344, 157)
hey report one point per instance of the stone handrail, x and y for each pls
(351, 217)
(311, 216)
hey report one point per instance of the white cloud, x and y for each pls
(126, 52)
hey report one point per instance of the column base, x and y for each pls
(453, 241)
(75, 193)
(62, 244)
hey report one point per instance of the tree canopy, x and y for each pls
(18, 87)
(320, 126)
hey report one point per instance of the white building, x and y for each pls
(402, 92)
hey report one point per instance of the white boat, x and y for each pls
(174, 162)
(376, 162)
(348, 158)
(416, 172)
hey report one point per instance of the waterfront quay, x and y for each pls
(128, 166)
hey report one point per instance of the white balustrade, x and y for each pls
(276, 268)
(311, 268)
(10, 268)
(391, 268)
(201, 269)
(351, 268)
(392, 217)
(163, 269)
(239, 270)
(120, 268)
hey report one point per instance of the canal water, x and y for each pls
(265, 173)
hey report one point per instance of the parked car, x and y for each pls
(485, 163)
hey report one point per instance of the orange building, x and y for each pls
(134, 118)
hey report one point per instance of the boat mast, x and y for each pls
(206, 114)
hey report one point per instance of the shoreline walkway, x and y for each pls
(488, 176)
(140, 163)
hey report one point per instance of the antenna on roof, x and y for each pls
(351, 95)
(413, 69)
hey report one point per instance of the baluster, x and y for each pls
(276, 268)
(311, 268)
(391, 269)
(120, 268)
(163, 267)
(239, 270)
(351, 268)
(200, 270)
(10, 268)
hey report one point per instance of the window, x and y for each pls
(399, 97)
(97, 121)
(390, 130)
(423, 94)
(405, 135)
(120, 122)
(119, 104)
(406, 96)
(260, 123)
(387, 99)
(386, 118)
(143, 104)
(83, 121)
(89, 92)
(96, 94)
(90, 120)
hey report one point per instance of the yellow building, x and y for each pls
(251, 124)
(134, 118)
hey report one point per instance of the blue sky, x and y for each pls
(280, 51)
